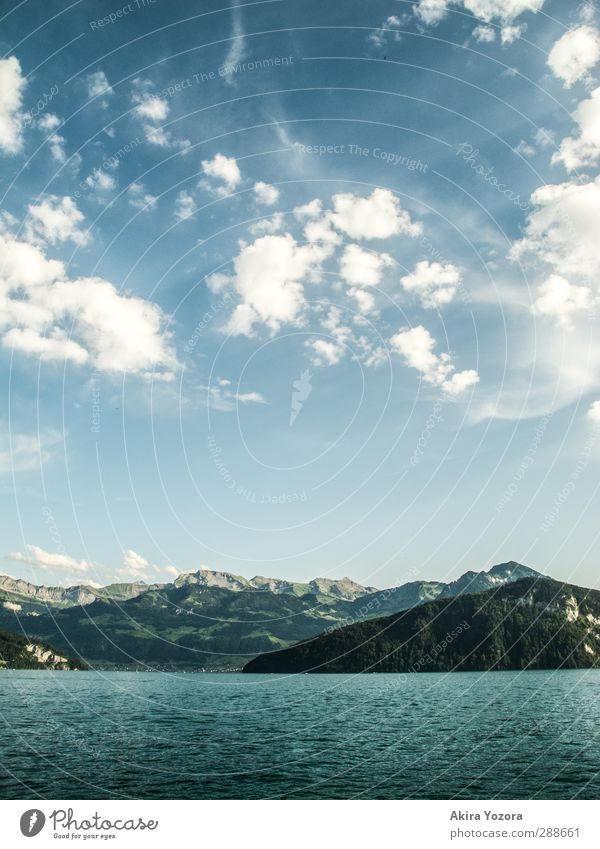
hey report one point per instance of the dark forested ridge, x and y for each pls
(529, 624)
(17, 652)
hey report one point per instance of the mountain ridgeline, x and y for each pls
(211, 620)
(533, 623)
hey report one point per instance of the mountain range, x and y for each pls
(211, 620)
(532, 623)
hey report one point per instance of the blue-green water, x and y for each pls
(198, 736)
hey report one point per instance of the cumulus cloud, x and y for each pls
(139, 198)
(55, 220)
(225, 170)
(152, 110)
(379, 36)
(98, 85)
(503, 10)
(435, 283)
(361, 267)
(324, 352)
(185, 206)
(266, 194)
(151, 107)
(365, 302)
(509, 33)
(377, 216)
(39, 303)
(12, 85)
(100, 180)
(48, 123)
(36, 556)
(563, 230)
(312, 209)
(139, 570)
(574, 54)
(431, 11)
(559, 299)
(267, 225)
(584, 148)
(484, 34)
(416, 345)
(268, 276)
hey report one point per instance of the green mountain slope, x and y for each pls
(531, 623)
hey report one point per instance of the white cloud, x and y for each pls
(320, 231)
(361, 267)
(12, 85)
(220, 397)
(484, 34)
(431, 11)
(435, 283)
(269, 276)
(250, 398)
(56, 220)
(153, 108)
(378, 216)
(573, 55)
(559, 299)
(564, 229)
(139, 198)
(267, 225)
(544, 138)
(185, 206)
(20, 452)
(98, 85)
(312, 209)
(460, 381)
(137, 569)
(509, 33)
(324, 352)
(503, 10)
(583, 149)
(241, 321)
(593, 413)
(114, 332)
(365, 302)
(36, 556)
(225, 169)
(53, 346)
(380, 35)
(417, 345)
(265, 193)
(100, 180)
(524, 149)
(48, 122)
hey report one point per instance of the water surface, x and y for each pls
(78, 735)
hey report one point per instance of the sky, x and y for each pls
(292, 288)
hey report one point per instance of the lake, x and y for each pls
(80, 735)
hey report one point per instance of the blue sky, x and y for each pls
(299, 289)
